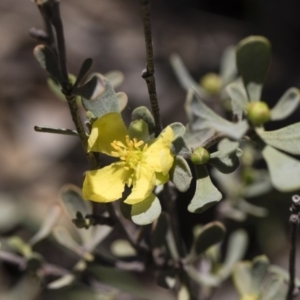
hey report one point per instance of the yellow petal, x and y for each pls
(161, 179)
(106, 184)
(105, 130)
(158, 155)
(143, 184)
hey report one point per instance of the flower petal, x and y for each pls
(105, 130)
(106, 184)
(143, 184)
(159, 156)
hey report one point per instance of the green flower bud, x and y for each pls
(248, 176)
(258, 113)
(212, 83)
(138, 129)
(200, 156)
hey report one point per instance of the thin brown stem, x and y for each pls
(62, 131)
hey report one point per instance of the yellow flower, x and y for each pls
(142, 165)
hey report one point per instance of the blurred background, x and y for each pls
(34, 166)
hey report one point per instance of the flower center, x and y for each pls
(131, 153)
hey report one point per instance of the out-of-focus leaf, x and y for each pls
(62, 282)
(253, 56)
(242, 278)
(63, 237)
(142, 113)
(100, 97)
(278, 271)
(47, 226)
(275, 289)
(259, 270)
(239, 100)
(181, 174)
(115, 78)
(228, 65)
(261, 184)
(166, 279)
(253, 210)
(18, 245)
(206, 193)
(286, 138)
(48, 61)
(185, 79)
(284, 170)
(227, 164)
(73, 201)
(138, 129)
(203, 117)
(179, 147)
(160, 229)
(178, 129)
(86, 65)
(122, 248)
(196, 138)
(236, 248)
(123, 99)
(286, 105)
(98, 234)
(225, 147)
(147, 211)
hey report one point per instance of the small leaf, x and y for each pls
(206, 193)
(196, 138)
(259, 270)
(179, 147)
(228, 69)
(100, 97)
(286, 105)
(185, 79)
(99, 233)
(225, 147)
(275, 289)
(46, 228)
(142, 113)
(284, 170)
(178, 129)
(181, 174)
(253, 56)
(251, 209)
(63, 281)
(226, 164)
(86, 65)
(123, 100)
(48, 61)
(242, 278)
(286, 138)
(147, 211)
(239, 100)
(115, 78)
(166, 279)
(73, 201)
(203, 117)
(122, 248)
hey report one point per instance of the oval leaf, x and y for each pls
(115, 78)
(260, 266)
(227, 164)
(206, 193)
(143, 113)
(181, 174)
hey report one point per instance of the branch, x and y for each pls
(148, 73)
(56, 130)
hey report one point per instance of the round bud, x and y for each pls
(212, 83)
(200, 156)
(248, 176)
(258, 113)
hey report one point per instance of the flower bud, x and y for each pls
(200, 156)
(258, 113)
(212, 83)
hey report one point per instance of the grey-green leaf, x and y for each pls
(286, 105)
(284, 170)
(228, 65)
(100, 97)
(225, 147)
(61, 282)
(73, 201)
(227, 164)
(253, 56)
(206, 193)
(143, 113)
(178, 129)
(202, 117)
(147, 211)
(181, 174)
(239, 100)
(275, 289)
(242, 278)
(123, 99)
(115, 78)
(179, 147)
(286, 138)
(259, 270)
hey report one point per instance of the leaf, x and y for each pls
(48, 61)
(115, 78)
(98, 234)
(276, 289)
(196, 138)
(147, 211)
(181, 174)
(47, 226)
(242, 278)
(236, 249)
(253, 56)
(286, 105)
(86, 65)
(227, 164)
(284, 170)
(100, 97)
(73, 201)
(251, 209)
(225, 147)
(228, 65)
(178, 129)
(123, 99)
(206, 193)
(142, 113)
(122, 248)
(260, 266)
(166, 279)
(239, 100)
(179, 147)
(185, 79)
(286, 138)
(63, 281)
(203, 117)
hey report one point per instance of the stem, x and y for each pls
(148, 73)
(213, 140)
(56, 130)
(294, 221)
